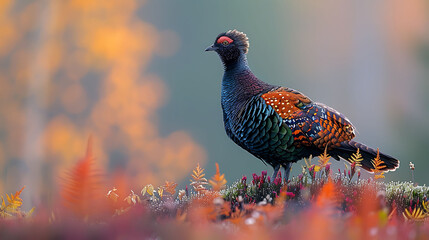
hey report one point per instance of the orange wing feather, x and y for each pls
(311, 123)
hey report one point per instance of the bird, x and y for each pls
(280, 125)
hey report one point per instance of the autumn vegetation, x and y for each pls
(332, 204)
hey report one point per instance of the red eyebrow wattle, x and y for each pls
(223, 39)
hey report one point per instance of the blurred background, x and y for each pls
(134, 75)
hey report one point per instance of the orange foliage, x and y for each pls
(218, 181)
(378, 165)
(13, 203)
(198, 180)
(77, 67)
(324, 157)
(327, 195)
(367, 216)
(11, 207)
(209, 215)
(170, 187)
(81, 189)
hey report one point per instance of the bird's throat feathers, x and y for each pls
(239, 85)
(234, 62)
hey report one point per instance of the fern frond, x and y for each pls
(218, 181)
(356, 158)
(198, 181)
(198, 173)
(308, 161)
(324, 157)
(378, 165)
(81, 188)
(170, 187)
(13, 203)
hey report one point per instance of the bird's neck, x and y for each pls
(239, 84)
(235, 64)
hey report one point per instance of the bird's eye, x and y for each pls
(224, 40)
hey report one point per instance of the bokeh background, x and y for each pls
(134, 75)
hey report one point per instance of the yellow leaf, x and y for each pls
(150, 189)
(356, 158)
(147, 189)
(426, 206)
(416, 215)
(316, 168)
(324, 158)
(308, 161)
(143, 191)
(29, 213)
(377, 176)
(3, 205)
(13, 203)
(160, 191)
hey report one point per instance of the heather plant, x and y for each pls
(343, 203)
(405, 195)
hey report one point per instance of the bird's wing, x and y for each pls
(260, 130)
(312, 124)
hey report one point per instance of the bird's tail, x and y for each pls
(368, 154)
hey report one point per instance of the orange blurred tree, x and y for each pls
(73, 68)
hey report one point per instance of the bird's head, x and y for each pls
(230, 45)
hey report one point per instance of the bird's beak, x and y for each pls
(211, 48)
